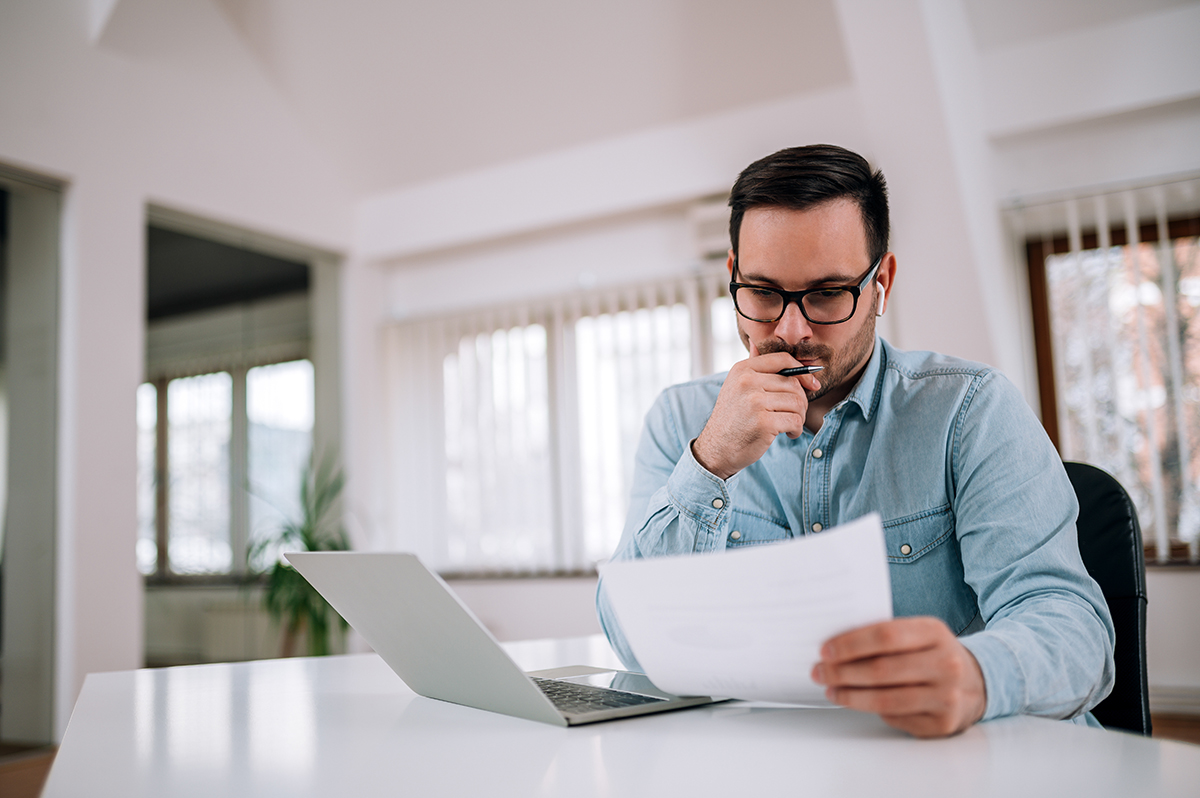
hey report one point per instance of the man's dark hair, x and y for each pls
(800, 178)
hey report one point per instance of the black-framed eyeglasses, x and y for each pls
(827, 305)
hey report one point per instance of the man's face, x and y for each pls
(799, 250)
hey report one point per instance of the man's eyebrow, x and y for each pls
(830, 280)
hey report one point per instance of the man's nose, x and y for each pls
(792, 326)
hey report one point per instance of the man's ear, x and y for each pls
(729, 264)
(884, 280)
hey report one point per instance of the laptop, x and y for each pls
(436, 645)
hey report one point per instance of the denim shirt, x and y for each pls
(979, 516)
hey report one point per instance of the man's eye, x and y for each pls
(829, 294)
(762, 294)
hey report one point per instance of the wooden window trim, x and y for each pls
(1036, 251)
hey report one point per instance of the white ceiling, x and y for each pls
(400, 92)
(1000, 23)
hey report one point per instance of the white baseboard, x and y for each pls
(1175, 700)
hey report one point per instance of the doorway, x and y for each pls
(29, 285)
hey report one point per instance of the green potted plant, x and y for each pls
(289, 599)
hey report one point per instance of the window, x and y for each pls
(199, 425)
(497, 447)
(279, 415)
(231, 455)
(624, 359)
(148, 467)
(521, 423)
(1116, 299)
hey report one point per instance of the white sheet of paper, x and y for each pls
(749, 623)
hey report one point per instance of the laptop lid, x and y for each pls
(422, 631)
(432, 640)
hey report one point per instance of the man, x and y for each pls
(995, 614)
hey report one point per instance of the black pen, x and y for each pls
(798, 370)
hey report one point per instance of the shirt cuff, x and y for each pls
(703, 497)
(1003, 678)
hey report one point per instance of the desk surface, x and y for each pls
(347, 725)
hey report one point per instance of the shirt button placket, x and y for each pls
(718, 504)
(817, 466)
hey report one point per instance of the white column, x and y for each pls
(99, 589)
(325, 313)
(917, 75)
(360, 309)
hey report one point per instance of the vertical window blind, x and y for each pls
(1115, 279)
(513, 429)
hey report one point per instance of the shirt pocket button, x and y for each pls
(906, 549)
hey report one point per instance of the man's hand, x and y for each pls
(912, 672)
(755, 405)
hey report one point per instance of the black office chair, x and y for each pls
(1110, 541)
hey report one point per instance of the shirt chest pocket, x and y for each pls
(908, 539)
(747, 529)
(926, 569)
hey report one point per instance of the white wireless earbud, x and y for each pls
(882, 297)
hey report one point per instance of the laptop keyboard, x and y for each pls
(576, 699)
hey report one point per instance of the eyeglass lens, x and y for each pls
(763, 304)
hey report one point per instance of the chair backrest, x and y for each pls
(1110, 541)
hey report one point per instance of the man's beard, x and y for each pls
(839, 366)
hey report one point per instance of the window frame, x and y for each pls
(239, 470)
(1037, 249)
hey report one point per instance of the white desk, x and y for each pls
(347, 726)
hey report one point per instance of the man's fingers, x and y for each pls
(920, 711)
(890, 701)
(779, 382)
(890, 637)
(912, 672)
(754, 406)
(808, 382)
(900, 669)
(772, 362)
(770, 393)
(758, 375)
(780, 402)
(924, 725)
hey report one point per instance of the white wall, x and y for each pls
(133, 118)
(223, 623)
(134, 102)
(532, 609)
(1173, 639)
